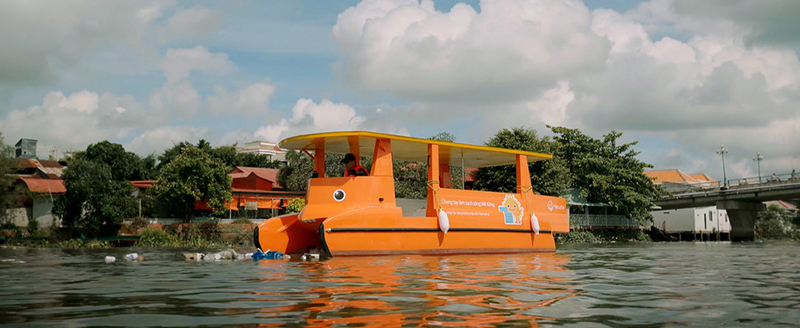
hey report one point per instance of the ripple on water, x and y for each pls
(677, 284)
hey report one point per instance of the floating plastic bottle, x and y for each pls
(268, 255)
(132, 256)
(310, 257)
(110, 259)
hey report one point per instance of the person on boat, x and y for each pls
(353, 169)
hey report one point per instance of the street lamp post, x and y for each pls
(758, 158)
(722, 151)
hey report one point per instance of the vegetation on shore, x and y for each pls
(236, 234)
(602, 236)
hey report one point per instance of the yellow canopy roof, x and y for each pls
(411, 149)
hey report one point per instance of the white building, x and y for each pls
(707, 219)
(264, 148)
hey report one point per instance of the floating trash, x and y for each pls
(310, 257)
(268, 255)
(110, 259)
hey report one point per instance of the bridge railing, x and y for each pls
(599, 220)
(775, 178)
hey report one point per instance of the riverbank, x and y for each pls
(603, 236)
(136, 233)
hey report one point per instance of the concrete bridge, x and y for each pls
(742, 200)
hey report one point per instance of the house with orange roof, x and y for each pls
(255, 190)
(698, 221)
(675, 180)
(40, 181)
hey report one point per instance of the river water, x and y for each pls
(619, 285)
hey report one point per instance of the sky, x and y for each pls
(680, 77)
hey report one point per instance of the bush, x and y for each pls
(71, 244)
(578, 237)
(153, 237)
(139, 223)
(599, 236)
(33, 225)
(295, 205)
(242, 221)
(237, 234)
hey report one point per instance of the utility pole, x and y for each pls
(758, 158)
(722, 151)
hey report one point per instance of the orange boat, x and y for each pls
(360, 215)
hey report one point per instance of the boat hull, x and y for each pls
(372, 232)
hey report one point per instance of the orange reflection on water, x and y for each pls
(455, 291)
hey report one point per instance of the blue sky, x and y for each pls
(681, 77)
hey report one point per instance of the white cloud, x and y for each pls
(83, 101)
(508, 50)
(161, 138)
(179, 98)
(40, 37)
(75, 121)
(179, 63)
(191, 22)
(308, 117)
(250, 101)
(551, 108)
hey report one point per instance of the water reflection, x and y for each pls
(457, 291)
(654, 285)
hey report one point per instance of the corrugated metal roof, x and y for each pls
(270, 175)
(673, 176)
(143, 184)
(45, 185)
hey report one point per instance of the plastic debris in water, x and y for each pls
(132, 257)
(110, 259)
(268, 255)
(310, 257)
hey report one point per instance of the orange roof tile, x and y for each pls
(674, 176)
(702, 177)
(45, 185)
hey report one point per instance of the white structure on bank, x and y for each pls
(264, 148)
(707, 219)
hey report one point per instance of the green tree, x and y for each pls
(95, 202)
(225, 154)
(774, 223)
(256, 160)
(606, 172)
(548, 177)
(194, 176)
(411, 178)
(8, 192)
(124, 165)
(177, 149)
(299, 168)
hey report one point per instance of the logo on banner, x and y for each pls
(551, 206)
(512, 210)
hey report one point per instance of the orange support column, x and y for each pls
(523, 174)
(319, 157)
(382, 159)
(445, 176)
(433, 181)
(353, 142)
